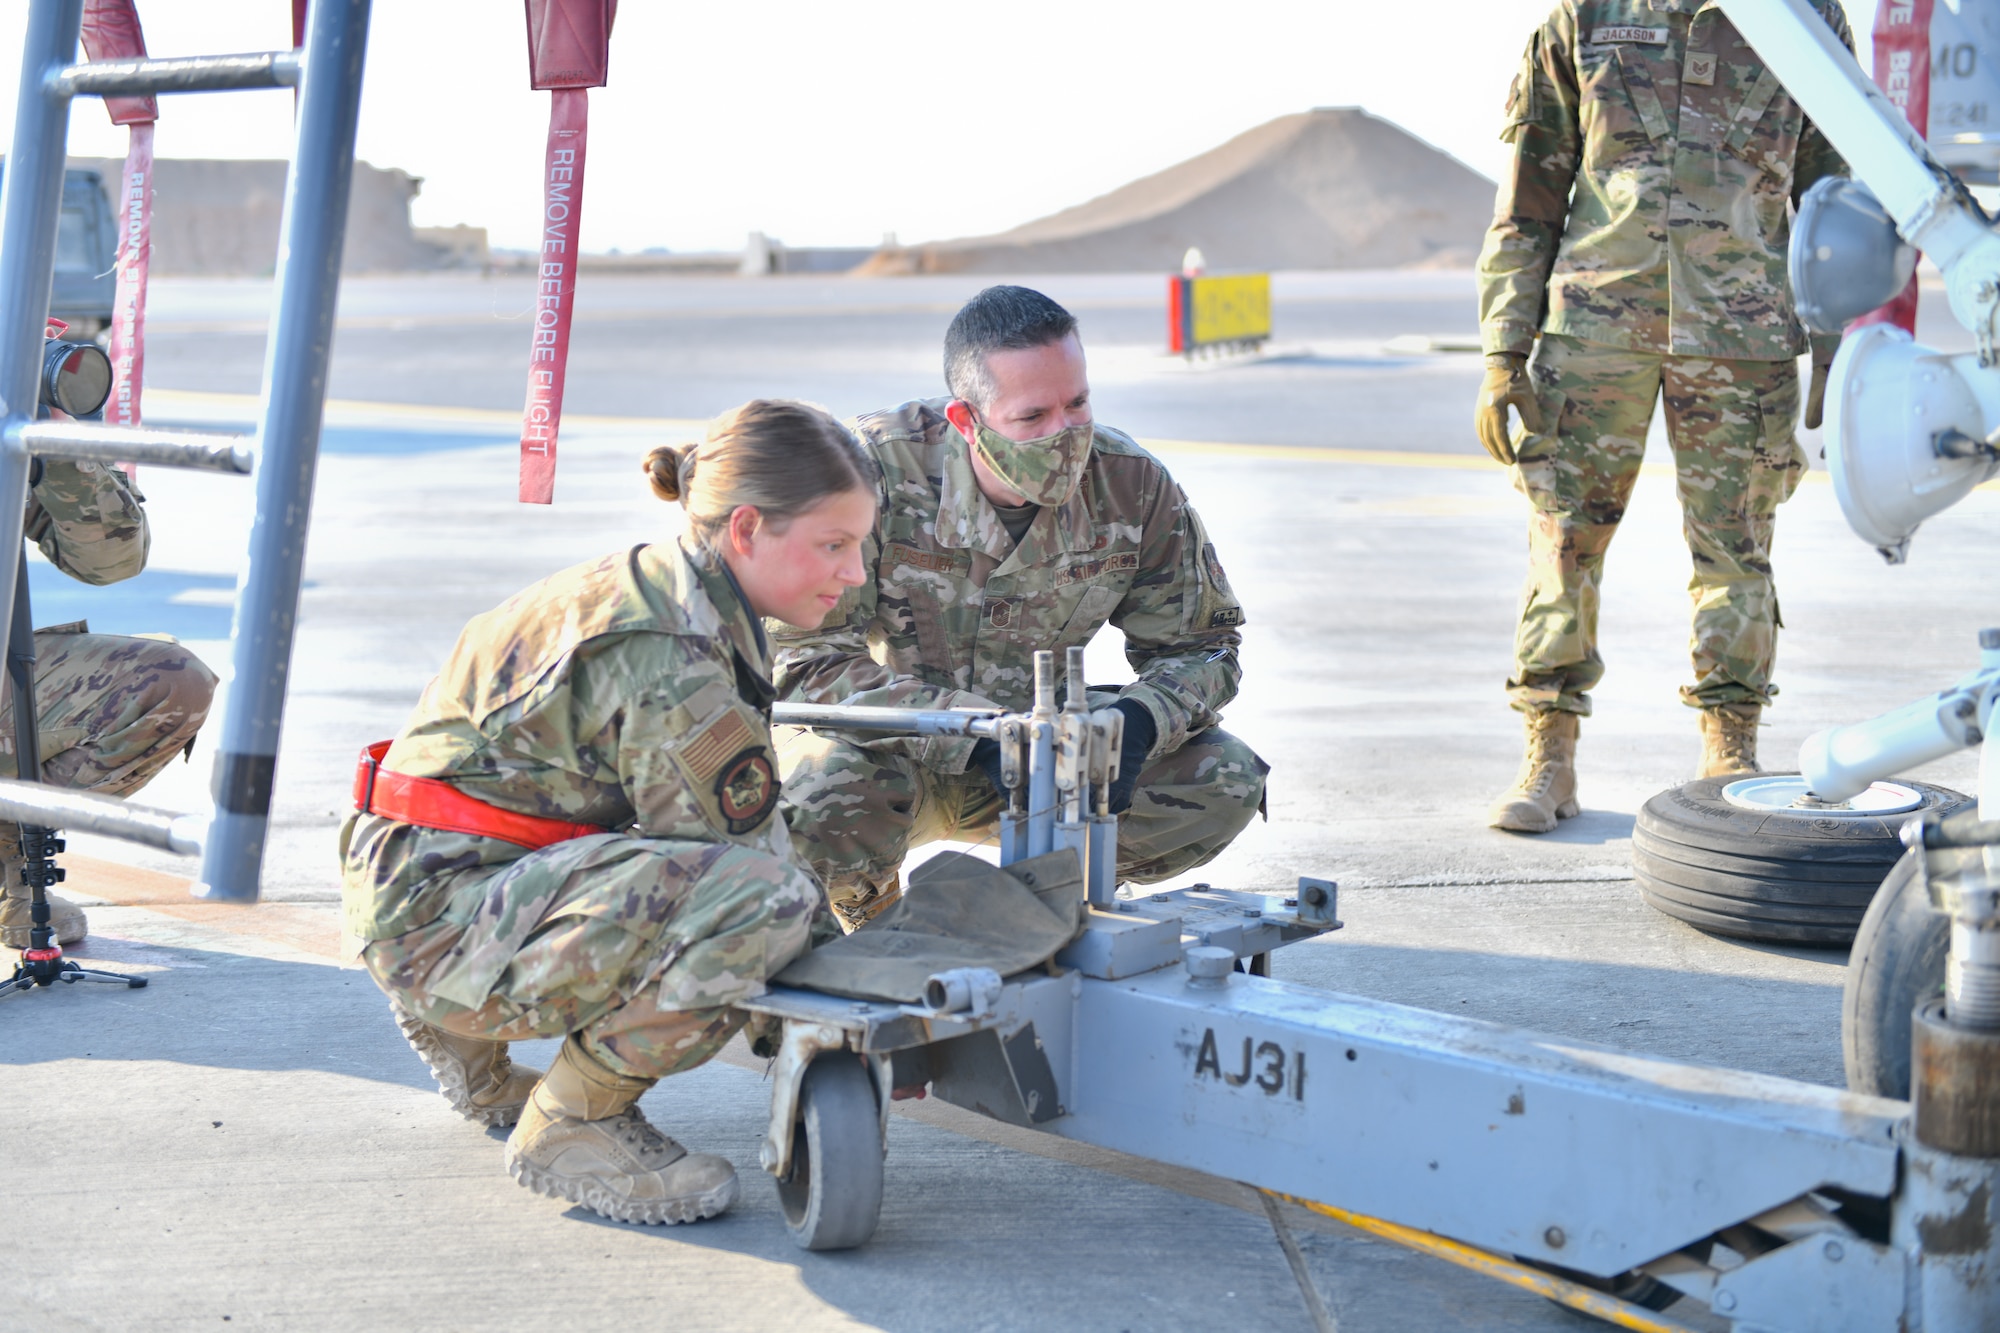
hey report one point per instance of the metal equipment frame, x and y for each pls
(1780, 1205)
(282, 453)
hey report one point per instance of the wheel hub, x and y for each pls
(1788, 792)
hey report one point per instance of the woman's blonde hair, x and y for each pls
(778, 456)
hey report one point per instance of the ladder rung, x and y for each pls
(87, 812)
(205, 451)
(177, 74)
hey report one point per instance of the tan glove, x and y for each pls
(1816, 390)
(1506, 383)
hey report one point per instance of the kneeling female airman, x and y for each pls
(577, 834)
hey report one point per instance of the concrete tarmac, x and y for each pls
(248, 1140)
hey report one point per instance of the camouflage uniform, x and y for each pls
(630, 693)
(1642, 233)
(111, 711)
(952, 616)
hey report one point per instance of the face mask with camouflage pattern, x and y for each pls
(1046, 471)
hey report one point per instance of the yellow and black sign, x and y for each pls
(1234, 309)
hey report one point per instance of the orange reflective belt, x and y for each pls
(429, 803)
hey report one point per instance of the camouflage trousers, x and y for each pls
(854, 811)
(110, 711)
(640, 946)
(1735, 460)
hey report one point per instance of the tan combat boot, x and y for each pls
(476, 1077)
(1729, 740)
(583, 1138)
(1545, 789)
(16, 902)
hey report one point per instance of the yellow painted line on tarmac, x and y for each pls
(183, 401)
(179, 402)
(1468, 462)
(518, 311)
(521, 316)
(520, 319)
(1514, 1273)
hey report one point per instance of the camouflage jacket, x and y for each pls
(89, 519)
(954, 610)
(1655, 157)
(631, 692)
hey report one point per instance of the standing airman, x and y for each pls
(1641, 236)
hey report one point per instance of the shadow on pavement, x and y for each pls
(1698, 1014)
(1592, 827)
(224, 1010)
(214, 1009)
(379, 1190)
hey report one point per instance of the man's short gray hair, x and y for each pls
(998, 319)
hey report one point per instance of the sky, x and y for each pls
(824, 124)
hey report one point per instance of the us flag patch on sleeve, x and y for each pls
(728, 735)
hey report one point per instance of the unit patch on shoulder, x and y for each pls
(746, 790)
(1213, 564)
(1649, 36)
(727, 735)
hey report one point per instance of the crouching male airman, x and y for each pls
(1011, 522)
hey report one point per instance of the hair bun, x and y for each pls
(663, 468)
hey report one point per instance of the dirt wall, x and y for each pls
(220, 218)
(1330, 188)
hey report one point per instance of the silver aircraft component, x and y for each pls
(1972, 974)
(1841, 762)
(1909, 430)
(1906, 433)
(1965, 89)
(1845, 257)
(1770, 792)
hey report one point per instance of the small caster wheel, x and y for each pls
(832, 1196)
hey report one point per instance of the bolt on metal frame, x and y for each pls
(283, 452)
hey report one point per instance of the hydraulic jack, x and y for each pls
(1633, 1180)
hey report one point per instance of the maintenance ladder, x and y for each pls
(282, 453)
